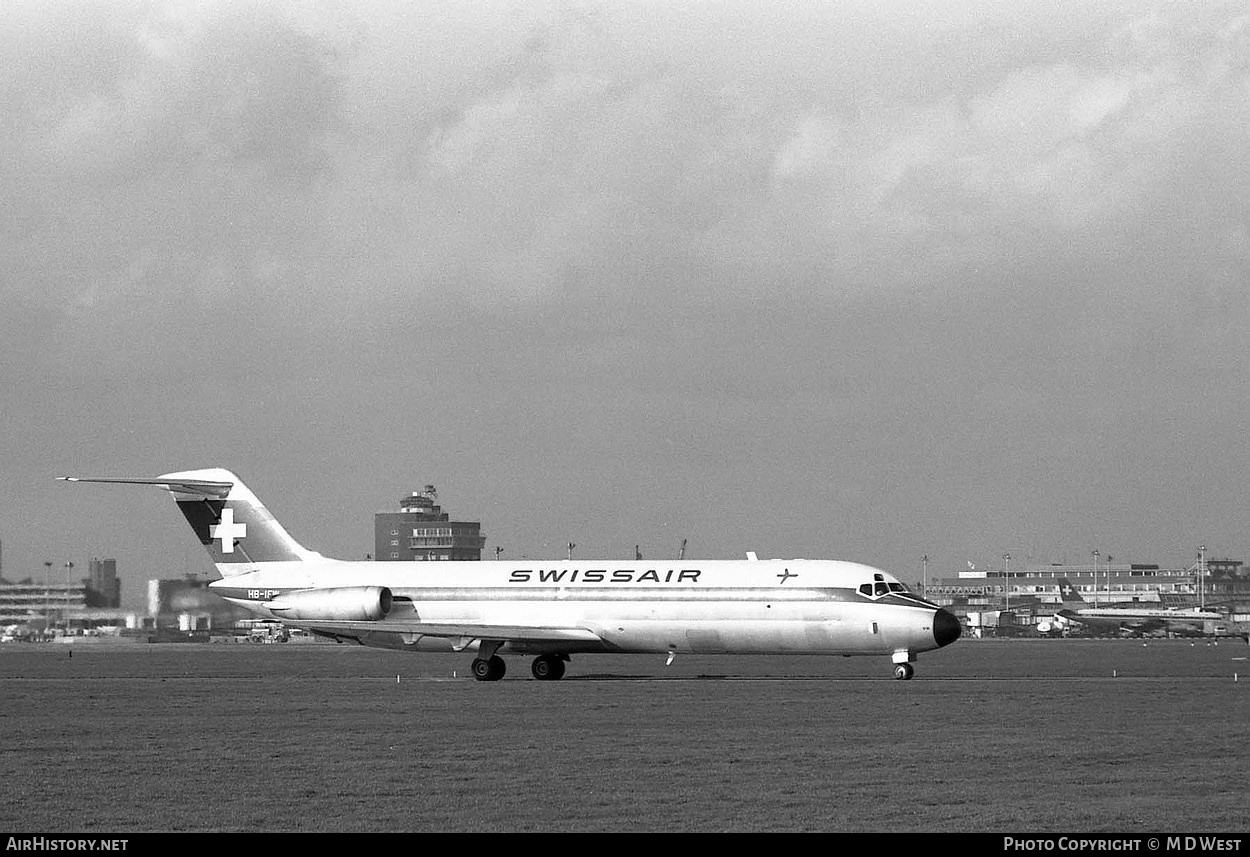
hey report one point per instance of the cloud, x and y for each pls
(849, 255)
(216, 151)
(174, 170)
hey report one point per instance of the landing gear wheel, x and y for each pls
(902, 672)
(489, 670)
(547, 668)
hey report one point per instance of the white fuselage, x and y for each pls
(745, 607)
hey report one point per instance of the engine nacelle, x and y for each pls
(342, 604)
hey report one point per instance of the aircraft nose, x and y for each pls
(945, 627)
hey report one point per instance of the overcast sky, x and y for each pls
(864, 281)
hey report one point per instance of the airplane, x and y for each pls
(1125, 619)
(551, 609)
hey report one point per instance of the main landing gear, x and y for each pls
(489, 669)
(488, 666)
(902, 672)
(548, 667)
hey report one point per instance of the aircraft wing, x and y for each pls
(1143, 625)
(506, 633)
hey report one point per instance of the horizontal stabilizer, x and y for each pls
(197, 487)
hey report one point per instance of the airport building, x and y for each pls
(421, 530)
(1098, 583)
(60, 597)
(1029, 596)
(189, 606)
(59, 604)
(104, 587)
(46, 603)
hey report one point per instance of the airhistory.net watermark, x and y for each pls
(50, 843)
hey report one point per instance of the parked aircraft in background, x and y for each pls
(551, 609)
(1131, 618)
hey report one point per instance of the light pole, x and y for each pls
(1202, 574)
(69, 570)
(1094, 554)
(47, 608)
(924, 574)
(1006, 579)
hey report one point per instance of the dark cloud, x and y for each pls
(864, 280)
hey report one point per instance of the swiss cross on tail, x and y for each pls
(227, 530)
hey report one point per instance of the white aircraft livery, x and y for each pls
(551, 609)
(1130, 618)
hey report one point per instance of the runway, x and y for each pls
(989, 737)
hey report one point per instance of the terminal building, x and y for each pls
(1029, 595)
(61, 598)
(46, 604)
(1098, 583)
(63, 603)
(421, 530)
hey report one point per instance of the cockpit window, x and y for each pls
(880, 587)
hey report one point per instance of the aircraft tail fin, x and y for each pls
(232, 524)
(1070, 594)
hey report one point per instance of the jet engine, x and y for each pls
(342, 604)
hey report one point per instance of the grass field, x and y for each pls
(991, 736)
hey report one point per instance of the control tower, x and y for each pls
(422, 531)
